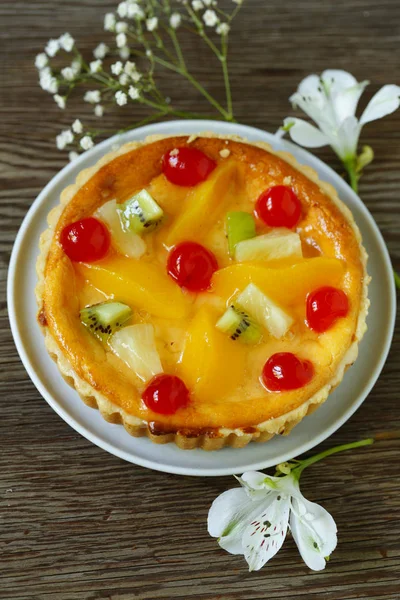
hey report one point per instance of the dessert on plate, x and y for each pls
(202, 290)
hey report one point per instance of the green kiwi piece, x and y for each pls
(239, 326)
(140, 213)
(239, 226)
(105, 318)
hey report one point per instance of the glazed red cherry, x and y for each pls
(284, 371)
(187, 166)
(165, 394)
(324, 306)
(279, 207)
(192, 266)
(86, 240)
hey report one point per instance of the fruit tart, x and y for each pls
(202, 290)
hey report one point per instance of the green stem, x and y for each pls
(317, 457)
(350, 167)
(396, 279)
(225, 70)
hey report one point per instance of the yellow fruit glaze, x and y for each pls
(222, 375)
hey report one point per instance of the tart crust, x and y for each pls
(213, 438)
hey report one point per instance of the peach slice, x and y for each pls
(286, 286)
(212, 365)
(142, 285)
(205, 205)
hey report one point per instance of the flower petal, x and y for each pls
(313, 530)
(305, 134)
(265, 535)
(337, 80)
(345, 140)
(345, 102)
(309, 86)
(259, 481)
(386, 101)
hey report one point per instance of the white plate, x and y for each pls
(357, 383)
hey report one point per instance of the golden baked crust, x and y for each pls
(209, 438)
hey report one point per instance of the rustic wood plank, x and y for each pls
(77, 523)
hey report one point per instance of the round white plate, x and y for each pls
(314, 429)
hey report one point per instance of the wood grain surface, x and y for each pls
(78, 523)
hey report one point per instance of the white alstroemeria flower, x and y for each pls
(152, 24)
(60, 101)
(101, 51)
(121, 40)
(77, 127)
(66, 42)
(41, 61)
(210, 18)
(331, 102)
(99, 110)
(253, 520)
(109, 22)
(92, 96)
(175, 20)
(95, 65)
(53, 46)
(121, 98)
(64, 138)
(86, 142)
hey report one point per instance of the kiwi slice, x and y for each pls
(239, 326)
(140, 213)
(105, 318)
(239, 226)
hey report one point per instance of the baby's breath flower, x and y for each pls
(209, 2)
(152, 24)
(238, 1)
(60, 101)
(121, 40)
(76, 66)
(101, 51)
(134, 11)
(149, 53)
(223, 29)
(68, 73)
(92, 96)
(197, 5)
(53, 46)
(175, 20)
(121, 98)
(73, 156)
(95, 66)
(99, 110)
(136, 77)
(133, 92)
(122, 9)
(116, 68)
(41, 61)
(130, 67)
(210, 18)
(47, 81)
(64, 138)
(66, 42)
(121, 27)
(124, 79)
(77, 126)
(86, 142)
(124, 52)
(109, 22)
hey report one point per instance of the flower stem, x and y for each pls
(396, 279)
(350, 167)
(224, 61)
(317, 457)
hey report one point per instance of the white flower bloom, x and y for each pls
(124, 79)
(95, 66)
(197, 5)
(238, 1)
(47, 81)
(130, 67)
(76, 66)
(41, 61)
(152, 24)
(121, 27)
(66, 42)
(331, 102)
(223, 29)
(253, 521)
(92, 96)
(124, 52)
(116, 68)
(133, 93)
(68, 73)
(77, 126)
(122, 9)
(86, 142)
(53, 46)
(99, 110)
(149, 53)
(135, 12)
(175, 20)
(121, 40)
(109, 22)
(210, 18)
(136, 77)
(60, 101)
(64, 138)
(121, 98)
(73, 156)
(101, 51)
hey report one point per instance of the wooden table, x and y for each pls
(78, 523)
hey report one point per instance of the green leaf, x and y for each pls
(364, 158)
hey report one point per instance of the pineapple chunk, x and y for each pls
(212, 365)
(125, 242)
(136, 346)
(205, 205)
(286, 286)
(280, 243)
(139, 284)
(264, 311)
